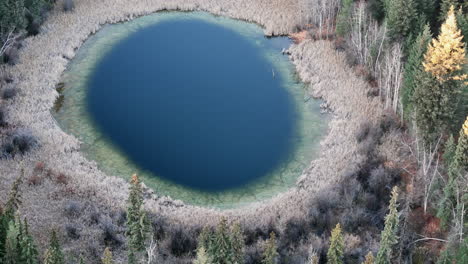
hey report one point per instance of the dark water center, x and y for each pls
(194, 103)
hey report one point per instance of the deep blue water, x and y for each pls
(194, 103)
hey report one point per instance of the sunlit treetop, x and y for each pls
(445, 56)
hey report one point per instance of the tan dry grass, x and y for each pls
(45, 56)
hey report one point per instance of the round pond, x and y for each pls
(203, 108)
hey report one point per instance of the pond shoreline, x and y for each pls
(45, 56)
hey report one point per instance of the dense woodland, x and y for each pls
(411, 52)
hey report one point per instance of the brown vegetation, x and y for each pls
(87, 205)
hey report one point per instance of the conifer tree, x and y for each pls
(54, 254)
(435, 94)
(389, 236)
(238, 243)
(34, 8)
(202, 256)
(221, 250)
(137, 224)
(8, 215)
(457, 160)
(369, 258)
(401, 16)
(414, 66)
(445, 56)
(107, 257)
(335, 251)
(12, 247)
(205, 238)
(445, 6)
(11, 16)
(270, 255)
(343, 18)
(449, 150)
(29, 253)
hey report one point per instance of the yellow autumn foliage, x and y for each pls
(446, 54)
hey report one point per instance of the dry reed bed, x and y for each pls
(45, 57)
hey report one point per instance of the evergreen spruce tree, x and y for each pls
(12, 16)
(436, 92)
(270, 255)
(29, 253)
(343, 19)
(414, 66)
(107, 257)
(449, 150)
(401, 18)
(205, 238)
(445, 56)
(12, 246)
(34, 8)
(54, 254)
(457, 160)
(369, 258)
(462, 20)
(335, 251)
(221, 250)
(8, 215)
(427, 10)
(137, 224)
(238, 244)
(445, 6)
(389, 236)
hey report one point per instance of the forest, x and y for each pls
(391, 185)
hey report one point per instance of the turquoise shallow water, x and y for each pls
(203, 108)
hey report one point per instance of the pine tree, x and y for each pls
(462, 19)
(8, 215)
(238, 243)
(221, 250)
(202, 256)
(107, 257)
(401, 18)
(34, 8)
(436, 93)
(270, 255)
(29, 253)
(12, 16)
(369, 258)
(449, 150)
(343, 18)
(54, 254)
(414, 66)
(12, 246)
(205, 238)
(426, 106)
(445, 8)
(137, 224)
(457, 160)
(388, 236)
(445, 56)
(427, 10)
(335, 251)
